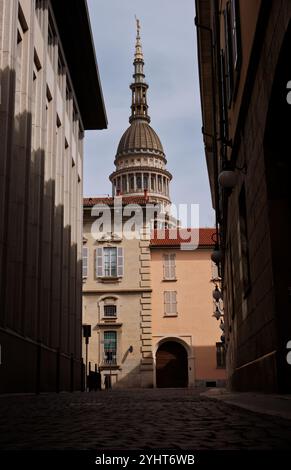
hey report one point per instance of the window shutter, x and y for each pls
(173, 302)
(172, 268)
(99, 262)
(167, 299)
(166, 267)
(85, 262)
(120, 262)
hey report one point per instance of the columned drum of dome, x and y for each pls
(140, 159)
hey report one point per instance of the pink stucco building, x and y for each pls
(187, 348)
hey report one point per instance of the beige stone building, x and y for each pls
(46, 104)
(117, 300)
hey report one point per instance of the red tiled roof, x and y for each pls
(176, 237)
(92, 201)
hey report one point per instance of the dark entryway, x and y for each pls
(171, 365)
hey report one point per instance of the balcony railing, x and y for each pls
(109, 362)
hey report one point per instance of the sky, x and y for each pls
(170, 52)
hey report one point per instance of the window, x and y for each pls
(109, 262)
(220, 356)
(170, 299)
(110, 347)
(138, 182)
(228, 55)
(85, 262)
(169, 266)
(110, 310)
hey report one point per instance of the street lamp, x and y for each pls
(216, 294)
(86, 335)
(217, 314)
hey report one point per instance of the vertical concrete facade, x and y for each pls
(41, 174)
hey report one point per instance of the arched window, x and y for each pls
(138, 182)
(131, 182)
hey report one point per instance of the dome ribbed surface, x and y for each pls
(139, 136)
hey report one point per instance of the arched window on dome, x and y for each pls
(146, 182)
(138, 182)
(124, 188)
(131, 182)
(153, 183)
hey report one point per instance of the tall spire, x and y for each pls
(139, 107)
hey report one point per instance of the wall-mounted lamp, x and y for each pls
(228, 176)
(216, 255)
(216, 294)
(227, 179)
(222, 326)
(217, 314)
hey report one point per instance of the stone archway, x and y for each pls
(171, 365)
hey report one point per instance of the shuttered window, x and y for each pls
(170, 299)
(170, 266)
(85, 262)
(109, 262)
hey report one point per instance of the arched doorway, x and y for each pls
(171, 365)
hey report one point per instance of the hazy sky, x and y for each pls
(169, 46)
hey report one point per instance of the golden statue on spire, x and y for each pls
(137, 24)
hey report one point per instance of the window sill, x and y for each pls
(109, 280)
(170, 280)
(111, 324)
(170, 315)
(109, 367)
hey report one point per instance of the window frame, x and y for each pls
(85, 266)
(106, 315)
(100, 272)
(170, 303)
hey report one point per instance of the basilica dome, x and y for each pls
(139, 137)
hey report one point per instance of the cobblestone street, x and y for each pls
(137, 419)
